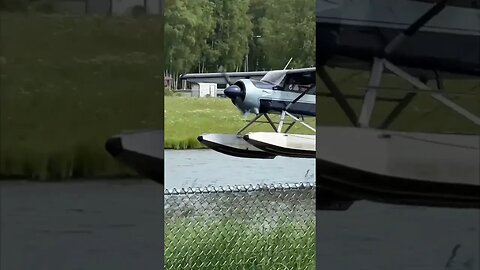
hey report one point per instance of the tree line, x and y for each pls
(238, 35)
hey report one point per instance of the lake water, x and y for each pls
(199, 168)
(81, 225)
(118, 224)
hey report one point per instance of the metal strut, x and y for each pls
(285, 112)
(380, 63)
(249, 124)
(278, 128)
(370, 96)
(435, 94)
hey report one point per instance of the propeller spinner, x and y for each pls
(236, 93)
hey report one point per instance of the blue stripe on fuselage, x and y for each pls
(277, 106)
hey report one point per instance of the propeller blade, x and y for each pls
(227, 78)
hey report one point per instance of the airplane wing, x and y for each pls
(219, 78)
(306, 73)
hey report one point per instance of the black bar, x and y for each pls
(397, 110)
(337, 94)
(412, 29)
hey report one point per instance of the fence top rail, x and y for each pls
(240, 188)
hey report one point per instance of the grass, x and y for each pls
(263, 229)
(67, 84)
(186, 118)
(228, 244)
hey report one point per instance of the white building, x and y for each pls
(204, 90)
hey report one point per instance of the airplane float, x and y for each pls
(141, 150)
(418, 41)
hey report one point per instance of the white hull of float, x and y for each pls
(140, 150)
(283, 144)
(233, 145)
(400, 167)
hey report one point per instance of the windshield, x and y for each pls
(274, 77)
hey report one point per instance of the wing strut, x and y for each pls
(338, 96)
(285, 112)
(414, 27)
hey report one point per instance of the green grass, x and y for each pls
(186, 118)
(228, 244)
(67, 84)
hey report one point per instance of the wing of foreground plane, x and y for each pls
(219, 77)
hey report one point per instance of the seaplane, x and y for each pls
(289, 93)
(418, 41)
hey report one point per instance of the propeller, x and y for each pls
(227, 78)
(236, 93)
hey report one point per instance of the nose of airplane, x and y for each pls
(233, 91)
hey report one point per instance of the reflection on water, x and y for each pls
(198, 168)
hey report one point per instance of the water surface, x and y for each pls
(81, 225)
(199, 168)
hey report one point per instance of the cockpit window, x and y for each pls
(262, 85)
(274, 77)
(299, 82)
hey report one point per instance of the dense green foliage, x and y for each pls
(216, 35)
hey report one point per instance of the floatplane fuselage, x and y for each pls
(288, 93)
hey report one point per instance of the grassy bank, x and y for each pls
(232, 245)
(186, 118)
(67, 84)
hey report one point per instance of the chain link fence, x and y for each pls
(241, 227)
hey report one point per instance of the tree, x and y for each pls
(188, 24)
(257, 60)
(288, 30)
(215, 35)
(228, 45)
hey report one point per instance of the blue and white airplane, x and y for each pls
(289, 93)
